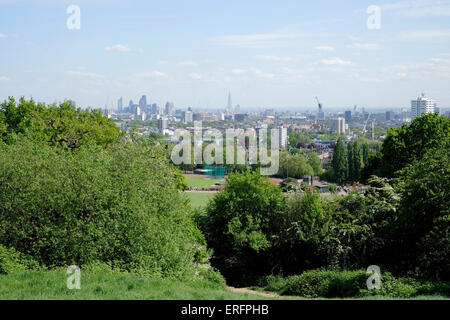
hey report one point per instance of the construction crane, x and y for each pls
(320, 114)
(320, 105)
(365, 125)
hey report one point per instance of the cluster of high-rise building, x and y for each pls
(338, 122)
(144, 110)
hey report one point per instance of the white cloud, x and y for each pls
(335, 62)
(324, 48)
(424, 34)
(152, 74)
(2, 35)
(89, 75)
(195, 76)
(275, 58)
(287, 70)
(256, 71)
(188, 64)
(420, 8)
(4, 78)
(262, 40)
(118, 48)
(363, 46)
(238, 71)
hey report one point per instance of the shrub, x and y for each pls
(212, 277)
(12, 261)
(120, 206)
(344, 284)
(326, 283)
(274, 283)
(240, 225)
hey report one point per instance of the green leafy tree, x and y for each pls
(61, 125)
(350, 161)
(339, 162)
(315, 163)
(240, 225)
(422, 222)
(357, 162)
(365, 153)
(306, 225)
(405, 144)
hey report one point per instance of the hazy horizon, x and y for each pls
(268, 54)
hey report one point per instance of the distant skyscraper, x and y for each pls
(143, 102)
(130, 106)
(169, 109)
(120, 104)
(422, 105)
(155, 109)
(348, 116)
(229, 104)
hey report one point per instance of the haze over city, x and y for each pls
(268, 54)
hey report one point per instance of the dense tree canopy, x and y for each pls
(405, 144)
(121, 206)
(240, 225)
(57, 125)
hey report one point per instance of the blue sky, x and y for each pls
(269, 54)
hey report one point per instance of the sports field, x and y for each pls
(199, 199)
(201, 182)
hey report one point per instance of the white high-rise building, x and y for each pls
(188, 116)
(339, 125)
(422, 105)
(283, 136)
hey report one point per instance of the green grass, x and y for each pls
(199, 199)
(199, 182)
(51, 285)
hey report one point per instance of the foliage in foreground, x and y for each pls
(345, 284)
(119, 205)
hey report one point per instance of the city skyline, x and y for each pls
(268, 55)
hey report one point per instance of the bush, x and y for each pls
(274, 283)
(12, 261)
(407, 287)
(119, 206)
(326, 283)
(345, 284)
(212, 277)
(240, 226)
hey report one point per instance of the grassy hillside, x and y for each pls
(51, 285)
(98, 286)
